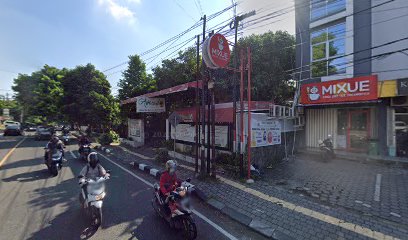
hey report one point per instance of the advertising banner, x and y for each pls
(345, 90)
(265, 132)
(186, 132)
(146, 105)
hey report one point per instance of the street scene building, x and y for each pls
(352, 64)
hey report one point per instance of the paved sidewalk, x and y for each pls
(368, 188)
(277, 212)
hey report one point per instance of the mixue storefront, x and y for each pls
(350, 111)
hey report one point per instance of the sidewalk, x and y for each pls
(280, 214)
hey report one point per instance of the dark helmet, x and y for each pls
(54, 138)
(93, 159)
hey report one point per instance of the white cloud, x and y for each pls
(135, 1)
(118, 11)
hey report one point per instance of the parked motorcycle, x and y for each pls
(92, 201)
(180, 217)
(326, 148)
(56, 161)
(85, 150)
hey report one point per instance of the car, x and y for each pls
(12, 130)
(9, 123)
(43, 133)
(401, 126)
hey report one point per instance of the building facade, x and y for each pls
(352, 64)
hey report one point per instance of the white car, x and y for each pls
(11, 123)
(401, 126)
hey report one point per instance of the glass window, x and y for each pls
(323, 8)
(328, 47)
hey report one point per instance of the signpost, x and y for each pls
(146, 105)
(174, 120)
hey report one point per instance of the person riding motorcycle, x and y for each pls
(83, 140)
(93, 170)
(65, 130)
(54, 143)
(168, 180)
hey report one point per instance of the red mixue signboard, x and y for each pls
(344, 90)
(216, 51)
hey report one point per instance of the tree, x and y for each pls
(87, 99)
(273, 54)
(176, 71)
(39, 94)
(135, 80)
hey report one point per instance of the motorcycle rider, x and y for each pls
(65, 131)
(169, 182)
(83, 140)
(54, 143)
(93, 170)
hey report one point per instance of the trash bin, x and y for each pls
(373, 147)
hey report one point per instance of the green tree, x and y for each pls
(87, 99)
(39, 94)
(176, 71)
(273, 54)
(135, 81)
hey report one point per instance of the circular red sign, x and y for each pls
(218, 50)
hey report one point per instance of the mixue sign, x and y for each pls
(345, 90)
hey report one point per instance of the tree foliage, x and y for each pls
(87, 99)
(135, 81)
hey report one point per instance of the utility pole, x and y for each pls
(197, 115)
(237, 147)
(203, 102)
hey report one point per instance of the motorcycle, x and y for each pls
(65, 139)
(91, 202)
(326, 148)
(180, 217)
(85, 151)
(56, 161)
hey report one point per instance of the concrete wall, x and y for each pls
(390, 23)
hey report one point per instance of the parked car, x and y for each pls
(12, 130)
(9, 123)
(401, 126)
(43, 133)
(28, 127)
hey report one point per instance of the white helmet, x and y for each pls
(171, 166)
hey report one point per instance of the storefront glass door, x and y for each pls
(358, 130)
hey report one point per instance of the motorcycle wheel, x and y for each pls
(96, 217)
(54, 170)
(190, 228)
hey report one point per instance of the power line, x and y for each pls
(183, 9)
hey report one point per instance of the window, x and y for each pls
(323, 8)
(328, 47)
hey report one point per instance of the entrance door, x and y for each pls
(358, 130)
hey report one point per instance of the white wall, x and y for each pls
(388, 31)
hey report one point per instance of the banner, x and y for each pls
(345, 90)
(186, 132)
(265, 132)
(146, 104)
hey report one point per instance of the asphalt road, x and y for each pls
(34, 205)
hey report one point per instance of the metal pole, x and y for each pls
(197, 113)
(203, 101)
(249, 111)
(208, 131)
(234, 89)
(175, 136)
(213, 166)
(241, 114)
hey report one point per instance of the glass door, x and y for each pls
(358, 130)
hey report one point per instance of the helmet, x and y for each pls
(171, 166)
(93, 159)
(54, 138)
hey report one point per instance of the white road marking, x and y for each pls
(377, 190)
(214, 225)
(72, 154)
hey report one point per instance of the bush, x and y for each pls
(168, 144)
(162, 155)
(228, 159)
(108, 138)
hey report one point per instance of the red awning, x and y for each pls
(179, 88)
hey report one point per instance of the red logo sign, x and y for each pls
(345, 90)
(216, 51)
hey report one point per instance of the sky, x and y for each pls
(67, 33)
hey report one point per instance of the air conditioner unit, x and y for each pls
(399, 101)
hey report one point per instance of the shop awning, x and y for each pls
(179, 88)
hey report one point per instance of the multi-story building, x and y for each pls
(352, 63)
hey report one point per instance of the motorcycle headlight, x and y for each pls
(100, 196)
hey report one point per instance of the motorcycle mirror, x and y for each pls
(188, 180)
(80, 176)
